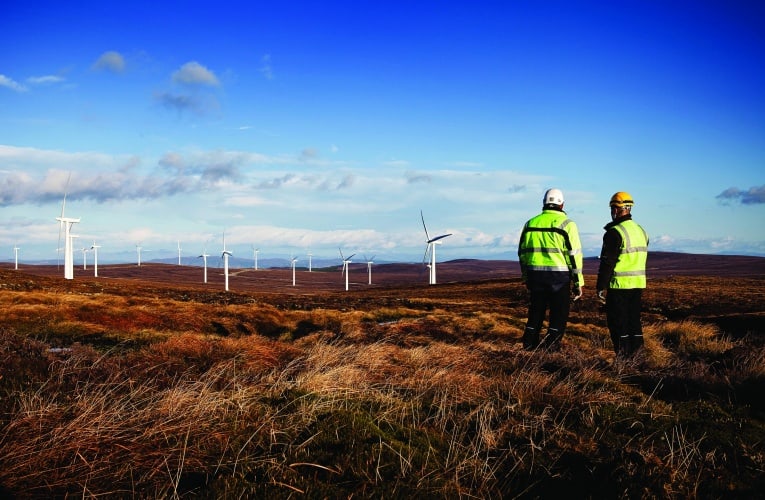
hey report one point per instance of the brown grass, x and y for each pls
(434, 398)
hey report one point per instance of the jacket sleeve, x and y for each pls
(521, 257)
(609, 255)
(576, 258)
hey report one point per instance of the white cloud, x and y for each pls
(11, 84)
(45, 80)
(266, 68)
(110, 61)
(193, 73)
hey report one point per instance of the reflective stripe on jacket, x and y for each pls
(629, 271)
(550, 246)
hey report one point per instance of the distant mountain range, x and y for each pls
(659, 264)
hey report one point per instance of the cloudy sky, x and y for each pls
(308, 126)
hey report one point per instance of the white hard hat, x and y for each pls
(553, 197)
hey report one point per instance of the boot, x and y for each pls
(636, 343)
(530, 338)
(623, 347)
(552, 339)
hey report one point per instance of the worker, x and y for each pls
(622, 275)
(550, 256)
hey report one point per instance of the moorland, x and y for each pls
(146, 382)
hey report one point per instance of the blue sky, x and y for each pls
(308, 126)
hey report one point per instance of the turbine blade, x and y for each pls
(424, 227)
(61, 224)
(439, 237)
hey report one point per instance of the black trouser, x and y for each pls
(623, 316)
(541, 299)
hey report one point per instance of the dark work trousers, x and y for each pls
(623, 316)
(558, 303)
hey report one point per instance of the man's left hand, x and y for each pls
(576, 292)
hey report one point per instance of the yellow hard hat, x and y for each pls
(621, 199)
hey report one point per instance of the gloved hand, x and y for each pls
(576, 292)
(602, 296)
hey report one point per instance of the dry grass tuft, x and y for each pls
(689, 338)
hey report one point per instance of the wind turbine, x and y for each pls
(204, 258)
(67, 223)
(179, 252)
(431, 247)
(225, 256)
(255, 252)
(95, 258)
(309, 262)
(138, 250)
(16, 255)
(345, 270)
(369, 267)
(84, 258)
(294, 261)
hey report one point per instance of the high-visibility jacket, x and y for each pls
(549, 249)
(629, 271)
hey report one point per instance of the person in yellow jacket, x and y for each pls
(550, 255)
(622, 276)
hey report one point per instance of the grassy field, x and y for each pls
(139, 389)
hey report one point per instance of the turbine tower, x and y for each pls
(255, 252)
(431, 247)
(95, 258)
(369, 267)
(294, 261)
(84, 258)
(310, 255)
(345, 270)
(204, 259)
(225, 256)
(138, 251)
(67, 223)
(179, 252)
(16, 255)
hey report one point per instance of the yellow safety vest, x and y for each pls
(629, 271)
(550, 242)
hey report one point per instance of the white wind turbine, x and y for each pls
(431, 247)
(95, 258)
(369, 267)
(345, 270)
(179, 252)
(16, 255)
(310, 264)
(294, 261)
(85, 258)
(225, 256)
(138, 251)
(255, 252)
(67, 223)
(204, 259)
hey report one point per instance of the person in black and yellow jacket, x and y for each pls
(550, 255)
(622, 275)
